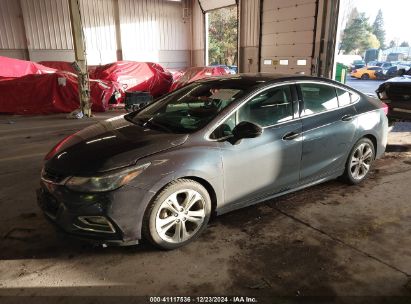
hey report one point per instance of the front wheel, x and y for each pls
(177, 215)
(365, 77)
(359, 162)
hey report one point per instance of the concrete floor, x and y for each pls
(328, 240)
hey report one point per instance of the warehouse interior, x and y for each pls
(172, 33)
(328, 242)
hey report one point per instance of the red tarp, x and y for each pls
(11, 68)
(59, 65)
(196, 73)
(136, 76)
(49, 93)
(31, 88)
(65, 66)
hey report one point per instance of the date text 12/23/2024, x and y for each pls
(220, 299)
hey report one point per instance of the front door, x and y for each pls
(257, 167)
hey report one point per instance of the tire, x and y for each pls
(359, 162)
(173, 219)
(365, 76)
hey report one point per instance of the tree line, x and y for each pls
(359, 35)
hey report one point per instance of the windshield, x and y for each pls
(190, 108)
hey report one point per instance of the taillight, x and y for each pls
(385, 108)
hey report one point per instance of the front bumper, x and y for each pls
(118, 213)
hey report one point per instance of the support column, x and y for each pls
(118, 30)
(81, 61)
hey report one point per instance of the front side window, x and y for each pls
(318, 98)
(190, 108)
(269, 107)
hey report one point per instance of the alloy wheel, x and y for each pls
(180, 216)
(361, 161)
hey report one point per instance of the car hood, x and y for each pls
(108, 145)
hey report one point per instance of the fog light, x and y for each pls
(95, 224)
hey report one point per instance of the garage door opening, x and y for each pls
(222, 37)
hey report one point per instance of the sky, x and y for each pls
(396, 13)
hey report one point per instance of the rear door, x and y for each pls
(329, 127)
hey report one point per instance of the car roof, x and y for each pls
(260, 80)
(263, 78)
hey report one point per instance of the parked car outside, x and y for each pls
(366, 73)
(357, 64)
(374, 63)
(396, 93)
(159, 173)
(233, 69)
(387, 74)
(225, 67)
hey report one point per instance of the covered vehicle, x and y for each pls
(196, 73)
(159, 173)
(13, 68)
(135, 76)
(59, 65)
(32, 88)
(49, 93)
(66, 66)
(396, 93)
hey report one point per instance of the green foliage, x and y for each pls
(373, 42)
(378, 28)
(357, 36)
(223, 36)
(404, 44)
(392, 44)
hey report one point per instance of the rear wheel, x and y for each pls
(178, 214)
(359, 162)
(365, 76)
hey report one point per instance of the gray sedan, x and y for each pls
(210, 147)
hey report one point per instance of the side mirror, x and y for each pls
(401, 72)
(246, 129)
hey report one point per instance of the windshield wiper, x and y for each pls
(151, 123)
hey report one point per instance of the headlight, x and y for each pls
(105, 182)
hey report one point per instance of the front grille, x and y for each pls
(51, 176)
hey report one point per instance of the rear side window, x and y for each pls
(318, 98)
(344, 97)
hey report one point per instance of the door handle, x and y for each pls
(346, 118)
(291, 136)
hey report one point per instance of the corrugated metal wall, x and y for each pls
(47, 24)
(198, 35)
(99, 23)
(151, 30)
(12, 36)
(148, 28)
(250, 25)
(288, 31)
(249, 35)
